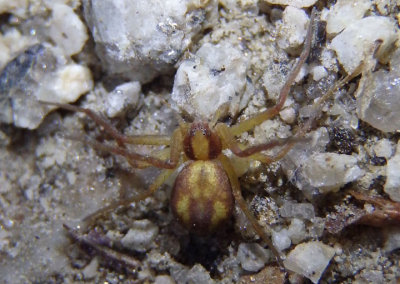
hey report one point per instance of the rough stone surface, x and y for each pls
(215, 77)
(358, 39)
(140, 235)
(318, 72)
(330, 171)
(293, 30)
(39, 73)
(297, 210)
(384, 148)
(252, 256)
(343, 13)
(378, 99)
(139, 45)
(163, 279)
(297, 231)
(281, 239)
(294, 3)
(12, 42)
(199, 275)
(66, 25)
(392, 241)
(121, 98)
(309, 259)
(392, 185)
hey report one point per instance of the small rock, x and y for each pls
(198, 274)
(67, 85)
(214, 78)
(281, 239)
(142, 39)
(294, 162)
(392, 185)
(371, 276)
(140, 236)
(288, 115)
(90, 271)
(378, 99)
(293, 30)
(12, 42)
(318, 72)
(39, 73)
(65, 25)
(291, 209)
(317, 228)
(392, 241)
(293, 3)
(344, 12)
(309, 259)
(122, 97)
(330, 171)
(275, 76)
(164, 279)
(383, 148)
(297, 231)
(252, 256)
(359, 38)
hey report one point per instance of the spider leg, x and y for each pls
(230, 142)
(112, 131)
(243, 206)
(162, 154)
(139, 160)
(250, 123)
(162, 177)
(105, 251)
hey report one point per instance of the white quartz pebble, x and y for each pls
(309, 259)
(358, 39)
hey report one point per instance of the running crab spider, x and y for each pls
(207, 187)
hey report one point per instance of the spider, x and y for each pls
(207, 187)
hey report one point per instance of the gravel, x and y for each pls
(144, 71)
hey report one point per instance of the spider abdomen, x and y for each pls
(202, 198)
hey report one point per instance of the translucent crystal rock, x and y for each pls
(379, 100)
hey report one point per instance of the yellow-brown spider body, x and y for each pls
(201, 198)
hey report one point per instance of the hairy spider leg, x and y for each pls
(159, 181)
(237, 194)
(229, 141)
(253, 151)
(250, 123)
(136, 160)
(111, 130)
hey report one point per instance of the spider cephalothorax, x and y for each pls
(201, 143)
